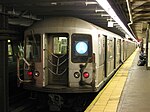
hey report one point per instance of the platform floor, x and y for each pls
(136, 94)
(127, 91)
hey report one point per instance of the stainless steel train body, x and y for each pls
(70, 55)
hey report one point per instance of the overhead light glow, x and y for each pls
(106, 6)
(105, 15)
(110, 24)
(99, 10)
(90, 3)
(53, 3)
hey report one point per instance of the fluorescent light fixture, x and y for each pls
(105, 15)
(110, 24)
(110, 19)
(99, 10)
(8, 41)
(106, 6)
(90, 3)
(54, 3)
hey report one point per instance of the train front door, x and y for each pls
(58, 59)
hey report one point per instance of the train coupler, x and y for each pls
(55, 102)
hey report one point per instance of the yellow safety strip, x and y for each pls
(108, 98)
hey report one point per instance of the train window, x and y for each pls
(81, 48)
(60, 45)
(10, 51)
(33, 47)
(118, 46)
(110, 49)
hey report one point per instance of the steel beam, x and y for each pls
(3, 77)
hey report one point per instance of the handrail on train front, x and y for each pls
(19, 58)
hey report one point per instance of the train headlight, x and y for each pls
(86, 74)
(36, 73)
(76, 74)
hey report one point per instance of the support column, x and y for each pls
(3, 63)
(148, 47)
(3, 77)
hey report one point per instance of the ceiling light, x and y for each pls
(99, 10)
(110, 24)
(105, 15)
(90, 3)
(53, 3)
(107, 7)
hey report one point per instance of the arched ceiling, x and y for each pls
(140, 12)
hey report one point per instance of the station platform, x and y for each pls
(127, 91)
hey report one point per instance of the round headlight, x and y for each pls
(76, 74)
(36, 73)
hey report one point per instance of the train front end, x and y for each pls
(59, 62)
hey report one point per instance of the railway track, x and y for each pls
(30, 104)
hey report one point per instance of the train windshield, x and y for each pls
(33, 47)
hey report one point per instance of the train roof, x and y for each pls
(59, 23)
(71, 22)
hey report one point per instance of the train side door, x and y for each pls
(118, 52)
(120, 60)
(122, 51)
(101, 52)
(125, 50)
(58, 59)
(110, 55)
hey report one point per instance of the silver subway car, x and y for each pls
(70, 55)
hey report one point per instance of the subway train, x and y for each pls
(65, 55)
